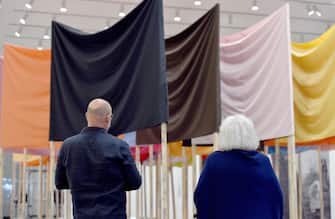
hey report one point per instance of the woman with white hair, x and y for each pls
(238, 182)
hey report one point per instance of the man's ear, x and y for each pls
(107, 119)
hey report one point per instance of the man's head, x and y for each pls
(99, 114)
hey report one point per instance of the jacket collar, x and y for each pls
(93, 129)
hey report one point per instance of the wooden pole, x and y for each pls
(13, 193)
(158, 188)
(129, 204)
(144, 191)
(173, 193)
(52, 178)
(216, 141)
(138, 196)
(1, 177)
(292, 178)
(322, 208)
(47, 192)
(68, 204)
(40, 176)
(194, 166)
(300, 189)
(277, 158)
(56, 194)
(151, 162)
(194, 173)
(165, 161)
(24, 184)
(20, 199)
(185, 184)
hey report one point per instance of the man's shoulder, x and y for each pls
(118, 141)
(71, 139)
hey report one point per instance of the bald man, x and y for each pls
(97, 167)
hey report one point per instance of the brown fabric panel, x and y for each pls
(193, 82)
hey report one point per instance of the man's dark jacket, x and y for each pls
(98, 168)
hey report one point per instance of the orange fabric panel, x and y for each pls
(35, 163)
(25, 98)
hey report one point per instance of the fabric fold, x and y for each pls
(256, 75)
(314, 88)
(124, 64)
(193, 82)
(25, 98)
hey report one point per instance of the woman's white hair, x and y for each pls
(237, 132)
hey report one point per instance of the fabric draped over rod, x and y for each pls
(314, 88)
(193, 82)
(124, 64)
(25, 98)
(256, 77)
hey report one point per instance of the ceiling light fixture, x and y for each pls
(177, 17)
(18, 32)
(255, 6)
(122, 13)
(317, 11)
(310, 10)
(29, 4)
(197, 3)
(23, 20)
(39, 46)
(230, 19)
(46, 35)
(313, 10)
(63, 7)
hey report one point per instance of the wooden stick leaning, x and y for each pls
(138, 197)
(144, 191)
(24, 185)
(47, 192)
(185, 184)
(216, 141)
(173, 192)
(194, 173)
(19, 199)
(1, 177)
(68, 205)
(277, 158)
(40, 188)
(165, 170)
(57, 203)
(13, 194)
(322, 205)
(128, 204)
(300, 197)
(151, 162)
(51, 180)
(158, 188)
(292, 178)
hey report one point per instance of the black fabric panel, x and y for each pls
(124, 64)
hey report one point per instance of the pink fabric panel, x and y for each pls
(256, 75)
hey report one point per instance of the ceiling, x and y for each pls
(94, 15)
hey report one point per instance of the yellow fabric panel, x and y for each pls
(20, 158)
(176, 150)
(313, 69)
